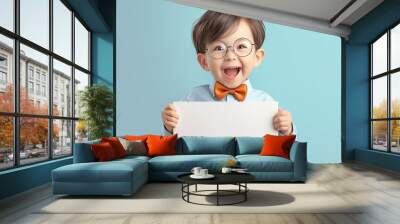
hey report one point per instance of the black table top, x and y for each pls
(220, 178)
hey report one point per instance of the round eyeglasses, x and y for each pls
(242, 48)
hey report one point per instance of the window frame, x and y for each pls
(388, 74)
(16, 115)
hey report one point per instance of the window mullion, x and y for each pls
(50, 81)
(16, 83)
(73, 81)
(389, 115)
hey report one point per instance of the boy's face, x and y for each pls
(230, 69)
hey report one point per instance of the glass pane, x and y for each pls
(379, 55)
(81, 45)
(379, 100)
(379, 135)
(395, 47)
(33, 139)
(62, 89)
(81, 81)
(6, 74)
(7, 14)
(395, 136)
(62, 29)
(395, 94)
(6, 142)
(34, 82)
(35, 21)
(81, 131)
(62, 137)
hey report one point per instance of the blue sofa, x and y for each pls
(125, 176)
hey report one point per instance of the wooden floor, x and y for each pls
(378, 188)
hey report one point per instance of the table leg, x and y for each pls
(196, 188)
(217, 194)
(245, 193)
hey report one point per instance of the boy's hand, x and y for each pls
(169, 117)
(283, 122)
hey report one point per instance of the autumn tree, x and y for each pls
(380, 127)
(33, 130)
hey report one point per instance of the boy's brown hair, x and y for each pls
(212, 25)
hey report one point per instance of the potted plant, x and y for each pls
(96, 102)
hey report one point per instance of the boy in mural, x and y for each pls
(229, 47)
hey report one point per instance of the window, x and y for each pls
(54, 126)
(3, 72)
(3, 78)
(3, 61)
(7, 14)
(43, 90)
(37, 75)
(6, 89)
(30, 72)
(385, 91)
(38, 89)
(81, 45)
(35, 21)
(30, 87)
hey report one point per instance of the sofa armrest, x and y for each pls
(298, 155)
(83, 152)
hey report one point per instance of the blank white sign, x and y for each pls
(217, 119)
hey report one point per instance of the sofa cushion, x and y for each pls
(111, 171)
(185, 163)
(257, 163)
(103, 151)
(190, 145)
(161, 145)
(249, 145)
(116, 145)
(277, 145)
(134, 147)
(83, 152)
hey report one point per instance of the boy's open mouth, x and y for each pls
(232, 72)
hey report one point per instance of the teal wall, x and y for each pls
(102, 58)
(156, 64)
(24, 178)
(357, 85)
(102, 61)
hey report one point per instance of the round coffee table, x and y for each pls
(238, 179)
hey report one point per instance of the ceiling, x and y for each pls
(326, 16)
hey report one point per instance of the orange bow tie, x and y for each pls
(220, 91)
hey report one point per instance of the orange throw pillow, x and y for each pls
(161, 145)
(136, 137)
(116, 145)
(277, 145)
(103, 152)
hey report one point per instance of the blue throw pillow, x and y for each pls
(249, 145)
(83, 152)
(193, 145)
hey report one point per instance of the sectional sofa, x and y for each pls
(125, 176)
